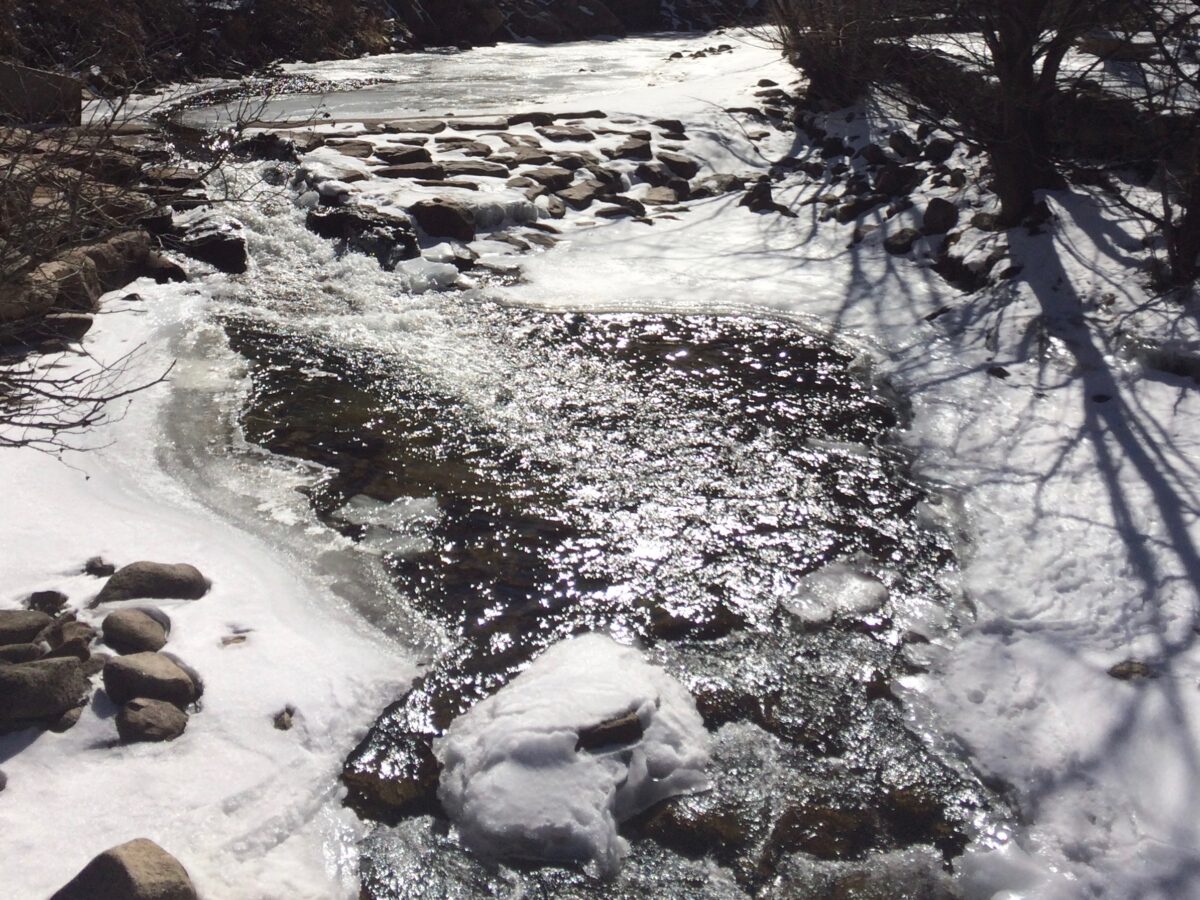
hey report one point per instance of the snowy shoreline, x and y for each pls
(252, 811)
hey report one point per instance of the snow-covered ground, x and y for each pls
(1076, 470)
(252, 811)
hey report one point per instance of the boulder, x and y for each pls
(939, 150)
(412, 170)
(940, 217)
(400, 155)
(631, 148)
(474, 168)
(218, 241)
(19, 653)
(623, 729)
(560, 133)
(440, 217)
(896, 180)
(531, 118)
(582, 194)
(713, 185)
(902, 144)
(553, 178)
(160, 581)
(388, 237)
(98, 567)
(527, 156)
(143, 719)
(137, 870)
(136, 630)
(679, 164)
(155, 676)
(67, 637)
(418, 126)
(661, 196)
(901, 242)
(20, 626)
(40, 689)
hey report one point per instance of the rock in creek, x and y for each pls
(218, 241)
(158, 581)
(19, 653)
(136, 630)
(40, 689)
(401, 155)
(137, 870)
(49, 602)
(148, 675)
(20, 626)
(440, 217)
(66, 637)
(143, 719)
(359, 229)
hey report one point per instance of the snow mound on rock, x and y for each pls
(547, 767)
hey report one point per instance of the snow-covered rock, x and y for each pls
(521, 778)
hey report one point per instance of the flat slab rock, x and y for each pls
(137, 870)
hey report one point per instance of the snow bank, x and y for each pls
(250, 810)
(519, 778)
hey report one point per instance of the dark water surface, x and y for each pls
(671, 480)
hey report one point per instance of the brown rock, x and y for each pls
(156, 581)
(98, 567)
(412, 170)
(400, 155)
(19, 653)
(40, 689)
(49, 602)
(20, 626)
(440, 217)
(552, 178)
(560, 133)
(136, 630)
(583, 194)
(143, 719)
(679, 164)
(475, 168)
(137, 870)
(623, 729)
(149, 675)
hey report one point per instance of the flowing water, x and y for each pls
(723, 490)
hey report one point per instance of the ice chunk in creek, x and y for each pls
(587, 736)
(425, 275)
(836, 591)
(397, 527)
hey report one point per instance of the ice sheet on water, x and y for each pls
(836, 590)
(515, 781)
